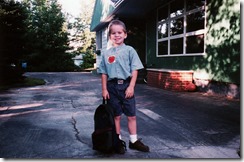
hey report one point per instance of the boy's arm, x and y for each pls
(105, 93)
(130, 90)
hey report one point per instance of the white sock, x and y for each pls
(133, 138)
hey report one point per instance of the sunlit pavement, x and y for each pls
(56, 121)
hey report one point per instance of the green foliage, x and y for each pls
(12, 31)
(88, 40)
(223, 53)
(24, 82)
(47, 39)
(34, 31)
(81, 35)
(88, 60)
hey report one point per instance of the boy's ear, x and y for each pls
(125, 35)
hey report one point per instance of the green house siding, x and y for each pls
(222, 58)
(221, 61)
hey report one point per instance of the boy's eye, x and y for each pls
(116, 33)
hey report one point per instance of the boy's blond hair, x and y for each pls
(116, 22)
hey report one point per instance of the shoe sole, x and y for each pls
(138, 149)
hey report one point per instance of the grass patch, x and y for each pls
(24, 82)
(33, 82)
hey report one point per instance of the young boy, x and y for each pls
(119, 68)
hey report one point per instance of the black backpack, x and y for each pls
(104, 137)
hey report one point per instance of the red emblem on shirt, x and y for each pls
(111, 59)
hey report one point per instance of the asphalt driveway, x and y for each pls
(55, 121)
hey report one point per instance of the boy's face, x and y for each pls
(117, 35)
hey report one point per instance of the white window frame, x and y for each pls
(184, 35)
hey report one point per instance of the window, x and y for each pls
(181, 28)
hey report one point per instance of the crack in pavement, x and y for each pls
(77, 132)
(72, 103)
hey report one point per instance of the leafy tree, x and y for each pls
(81, 35)
(12, 30)
(47, 38)
(88, 60)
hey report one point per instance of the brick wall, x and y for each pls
(177, 80)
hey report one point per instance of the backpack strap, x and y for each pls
(105, 101)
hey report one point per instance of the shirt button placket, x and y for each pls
(117, 70)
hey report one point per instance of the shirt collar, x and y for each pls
(119, 47)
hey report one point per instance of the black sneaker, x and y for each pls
(138, 145)
(121, 147)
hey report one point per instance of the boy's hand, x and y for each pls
(129, 92)
(105, 94)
